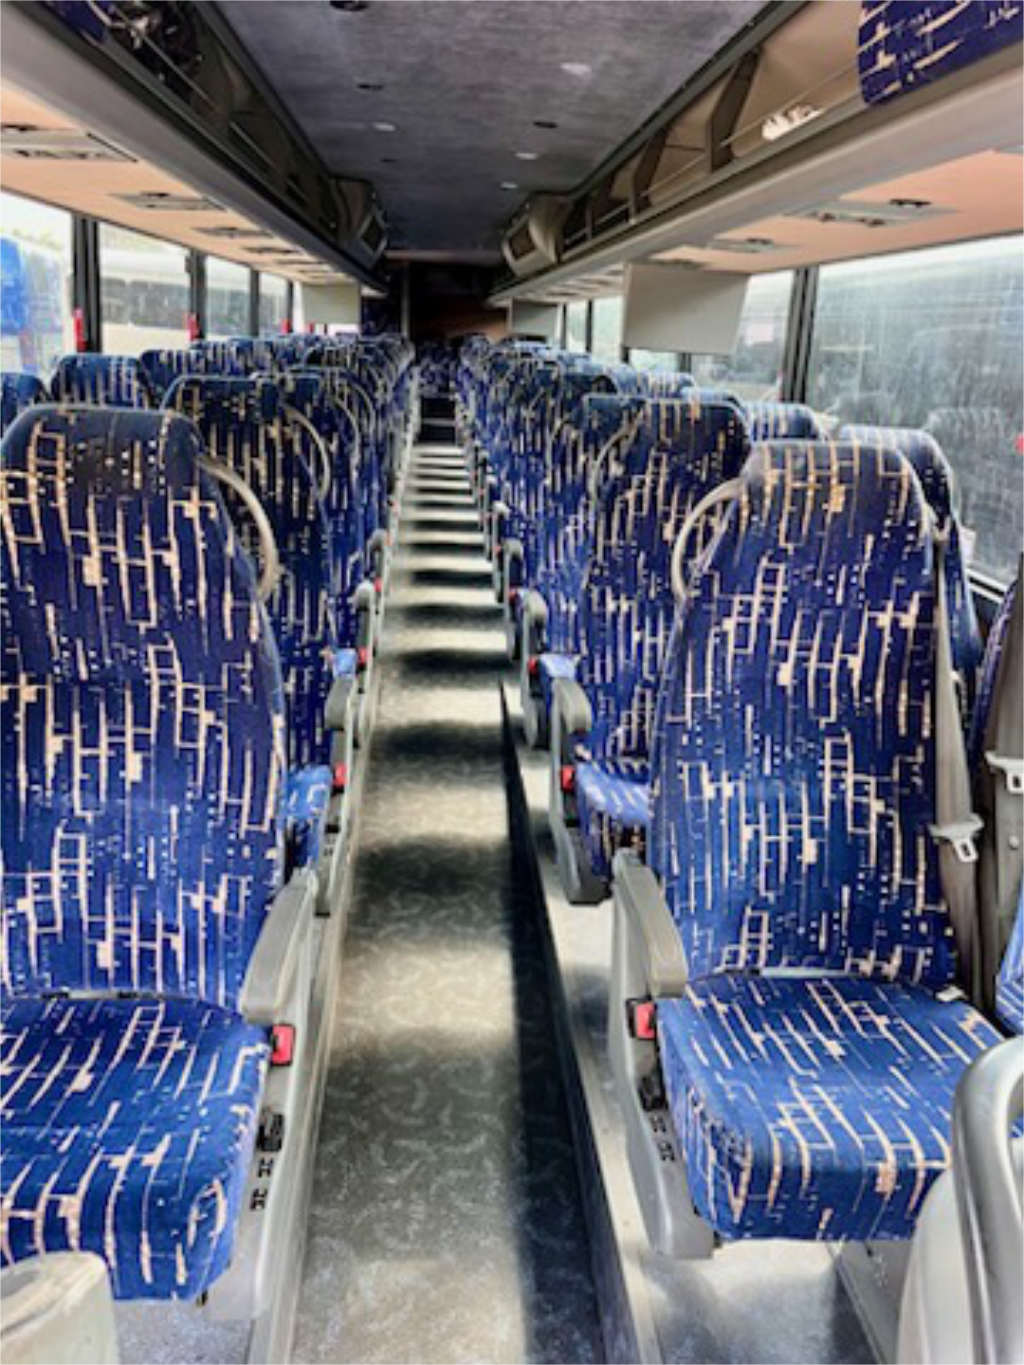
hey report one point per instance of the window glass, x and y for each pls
(653, 360)
(933, 339)
(576, 326)
(143, 292)
(754, 369)
(227, 298)
(607, 328)
(273, 303)
(35, 295)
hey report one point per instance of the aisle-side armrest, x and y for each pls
(277, 959)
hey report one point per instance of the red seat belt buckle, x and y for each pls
(641, 1016)
(378, 585)
(362, 656)
(513, 596)
(339, 777)
(568, 777)
(282, 1044)
(533, 665)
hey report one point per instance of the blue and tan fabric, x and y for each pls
(307, 797)
(1010, 980)
(777, 421)
(437, 362)
(128, 1126)
(164, 366)
(114, 381)
(814, 1107)
(241, 423)
(902, 46)
(612, 808)
(988, 676)
(17, 392)
(665, 383)
(352, 396)
(939, 487)
(143, 781)
(680, 452)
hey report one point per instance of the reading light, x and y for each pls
(509, 185)
(788, 120)
(527, 156)
(384, 127)
(578, 69)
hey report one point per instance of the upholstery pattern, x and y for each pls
(241, 421)
(612, 808)
(939, 488)
(1010, 980)
(18, 392)
(307, 796)
(117, 381)
(164, 366)
(142, 717)
(776, 421)
(128, 1128)
(901, 46)
(813, 1107)
(793, 766)
(989, 673)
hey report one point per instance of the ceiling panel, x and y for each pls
(464, 82)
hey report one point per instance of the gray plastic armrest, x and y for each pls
(276, 957)
(573, 707)
(535, 609)
(364, 596)
(57, 1308)
(336, 710)
(638, 892)
(514, 547)
(379, 537)
(499, 508)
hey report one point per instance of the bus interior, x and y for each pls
(511, 517)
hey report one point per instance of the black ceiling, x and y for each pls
(464, 82)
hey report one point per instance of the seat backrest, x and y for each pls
(19, 391)
(114, 381)
(939, 488)
(142, 716)
(665, 383)
(679, 452)
(778, 421)
(241, 423)
(163, 367)
(793, 759)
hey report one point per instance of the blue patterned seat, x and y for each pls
(988, 674)
(1010, 981)
(939, 487)
(665, 383)
(18, 392)
(352, 396)
(242, 424)
(777, 421)
(164, 366)
(143, 774)
(789, 827)
(115, 381)
(680, 452)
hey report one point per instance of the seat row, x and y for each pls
(774, 730)
(192, 595)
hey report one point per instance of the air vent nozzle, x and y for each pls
(56, 144)
(163, 201)
(234, 234)
(745, 246)
(866, 213)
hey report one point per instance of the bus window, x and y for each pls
(754, 370)
(576, 326)
(273, 303)
(143, 292)
(607, 336)
(35, 298)
(933, 339)
(227, 298)
(653, 360)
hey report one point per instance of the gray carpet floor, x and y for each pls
(446, 1221)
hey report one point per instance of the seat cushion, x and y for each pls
(307, 797)
(814, 1107)
(1010, 980)
(551, 668)
(128, 1128)
(611, 799)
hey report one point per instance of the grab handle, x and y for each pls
(268, 545)
(724, 492)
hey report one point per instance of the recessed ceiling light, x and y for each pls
(578, 69)
(349, 6)
(544, 123)
(527, 156)
(384, 127)
(369, 85)
(509, 185)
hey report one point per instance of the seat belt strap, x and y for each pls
(956, 825)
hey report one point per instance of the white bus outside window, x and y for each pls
(653, 360)
(576, 326)
(273, 303)
(144, 292)
(933, 339)
(227, 298)
(607, 329)
(36, 314)
(754, 369)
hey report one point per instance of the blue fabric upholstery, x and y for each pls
(1010, 981)
(938, 485)
(142, 724)
(680, 452)
(18, 392)
(665, 383)
(776, 421)
(142, 721)
(793, 797)
(901, 46)
(163, 367)
(612, 807)
(241, 422)
(989, 672)
(816, 1108)
(116, 381)
(346, 390)
(128, 1126)
(307, 796)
